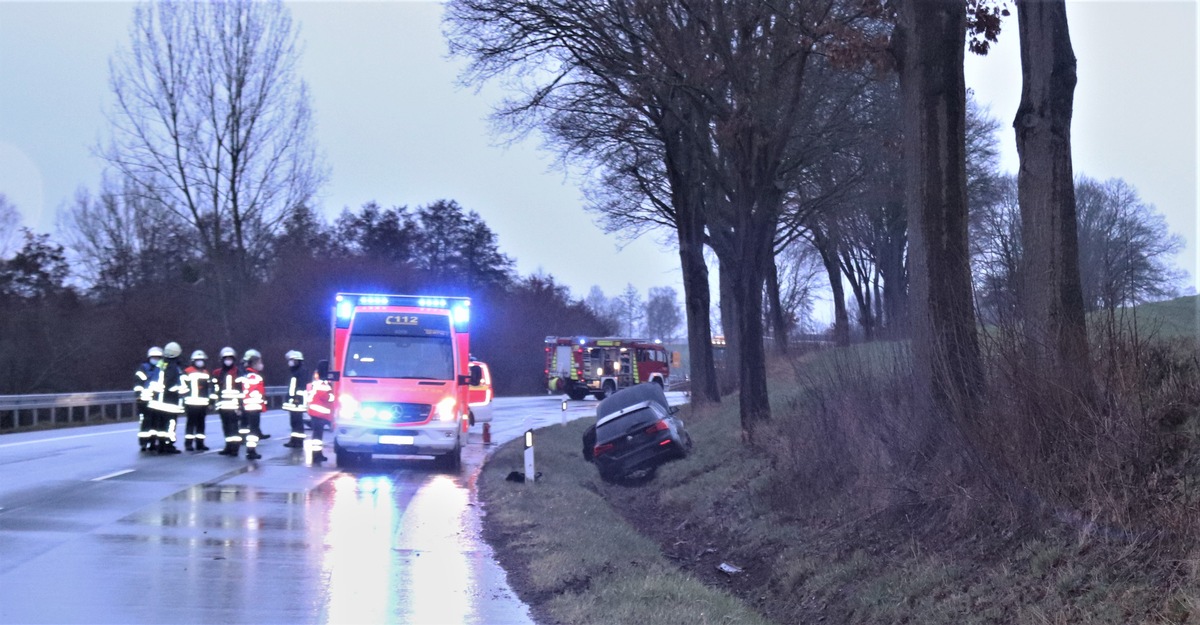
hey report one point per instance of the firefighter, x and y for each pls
(200, 395)
(320, 409)
(296, 404)
(146, 372)
(227, 382)
(165, 404)
(253, 402)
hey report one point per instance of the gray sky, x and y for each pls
(395, 128)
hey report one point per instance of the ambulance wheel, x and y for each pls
(451, 461)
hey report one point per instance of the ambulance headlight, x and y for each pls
(444, 411)
(599, 370)
(347, 407)
(368, 412)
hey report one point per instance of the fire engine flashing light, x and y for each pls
(373, 300)
(344, 309)
(658, 341)
(431, 302)
(583, 341)
(462, 314)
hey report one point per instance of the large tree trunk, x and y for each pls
(697, 300)
(1050, 290)
(946, 360)
(778, 322)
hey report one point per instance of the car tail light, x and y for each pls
(658, 426)
(666, 442)
(602, 449)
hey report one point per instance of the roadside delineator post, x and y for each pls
(487, 433)
(530, 475)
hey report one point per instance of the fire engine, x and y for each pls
(401, 374)
(580, 366)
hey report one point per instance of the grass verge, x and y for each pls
(583, 551)
(574, 558)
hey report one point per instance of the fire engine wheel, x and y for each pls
(577, 394)
(609, 389)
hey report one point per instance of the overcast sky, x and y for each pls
(395, 127)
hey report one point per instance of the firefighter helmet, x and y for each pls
(154, 352)
(172, 350)
(228, 352)
(294, 355)
(251, 354)
(199, 355)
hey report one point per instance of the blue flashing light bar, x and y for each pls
(432, 302)
(373, 300)
(344, 309)
(462, 314)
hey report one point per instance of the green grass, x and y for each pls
(1168, 319)
(574, 557)
(577, 559)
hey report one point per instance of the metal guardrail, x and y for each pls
(19, 412)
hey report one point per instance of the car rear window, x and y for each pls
(629, 421)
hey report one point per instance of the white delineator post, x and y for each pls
(530, 475)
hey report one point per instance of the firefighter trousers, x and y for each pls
(194, 430)
(249, 429)
(297, 421)
(145, 421)
(229, 425)
(317, 443)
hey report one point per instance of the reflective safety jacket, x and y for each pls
(297, 397)
(167, 387)
(255, 390)
(227, 384)
(145, 373)
(200, 389)
(320, 399)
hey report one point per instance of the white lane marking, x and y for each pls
(114, 474)
(63, 438)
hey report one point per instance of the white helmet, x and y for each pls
(154, 352)
(228, 352)
(251, 354)
(294, 355)
(172, 350)
(199, 355)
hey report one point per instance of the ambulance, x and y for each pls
(401, 375)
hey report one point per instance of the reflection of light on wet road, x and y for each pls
(438, 573)
(358, 557)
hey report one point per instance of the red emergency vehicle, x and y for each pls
(400, 368)
(580, 366)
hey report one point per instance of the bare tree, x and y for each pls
(211, 122)
(10, 219)
(631, 311)
(1051, 295)
(662, 313)
(119, 239)
(1126, 249)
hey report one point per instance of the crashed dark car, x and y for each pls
(636, 430)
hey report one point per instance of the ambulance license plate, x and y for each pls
(395, 440)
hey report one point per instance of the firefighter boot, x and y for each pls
(252, 454)
(231, 449)
(319, 457)
(187, 444)
(200, 446)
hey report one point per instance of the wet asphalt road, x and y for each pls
(92, 531)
